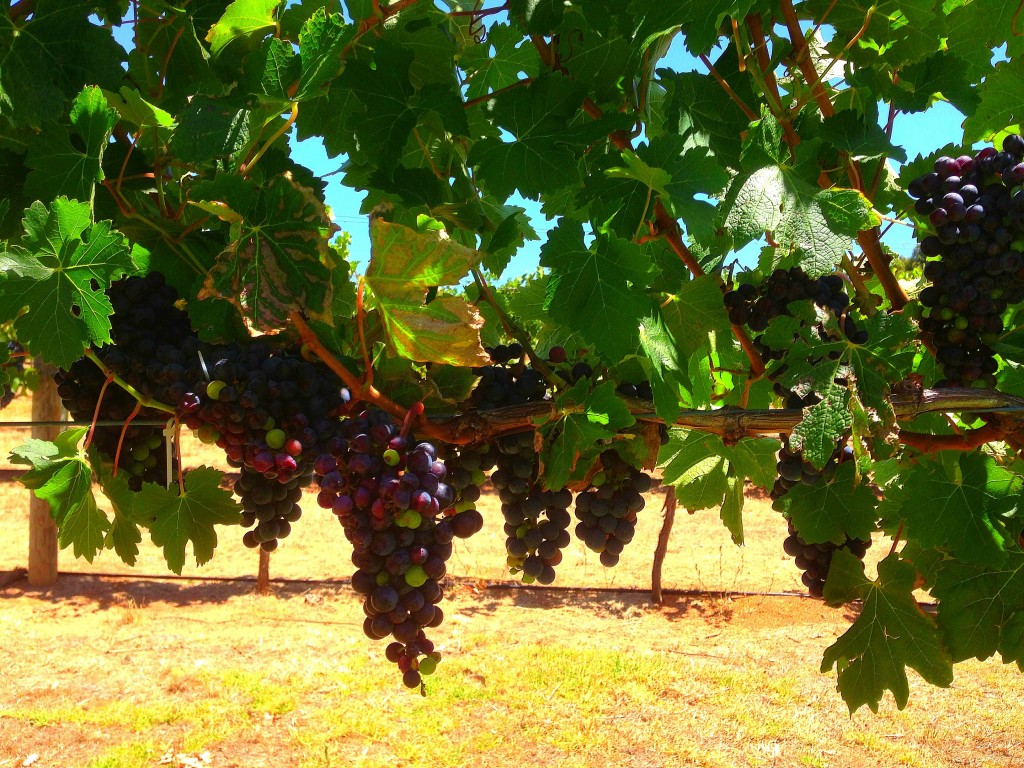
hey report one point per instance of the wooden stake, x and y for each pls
(42, 530)
(263, 575)
(662, 549)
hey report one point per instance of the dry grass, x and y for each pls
(117, 672)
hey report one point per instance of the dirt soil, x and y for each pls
(112, 667)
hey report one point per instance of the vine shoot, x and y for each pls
(162, 249)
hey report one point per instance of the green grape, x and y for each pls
(276, 438)
(214, 388)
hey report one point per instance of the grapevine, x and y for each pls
(723, 292)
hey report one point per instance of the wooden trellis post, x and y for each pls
(42, 530)
(662, 549)
(263, 575)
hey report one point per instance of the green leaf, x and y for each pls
(58, 167)
(962, 510)
(598, 291)
(321, 42)
(665, 367)
(821, 224)
(60, 476)
(59, 276)
(404, 264)
(155, 123)
(271, 71)
(732, 509)
(547, 142)
(822, 426)
(863, 139)
(176, 519)
(694, 311)
(603, 415)
(392, 105)
(979, 606)
(242, 20)
(124, 535)
(832, 510)
(699, 466)
(49, 59)
(210, 128)
(891, 634)
(1000, 106)
(278, 258)
(512, 54)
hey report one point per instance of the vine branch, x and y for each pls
(868, 238)
(515, 331)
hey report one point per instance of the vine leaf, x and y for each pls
(156, 125)
(700, 467)
(822, 426)
(732, 508)
(175, 519)
(597, 290)
(961, 508)
(891, 634)
(62, 477)
(404, 265)
(58, 167)
(601, 415)
(863, 139)
(831, 510)
(243, 19)
(491, 72)
(278, 256)
(124, 535)
(59, 275)
(210, 128)
(47, 60)
(321, 41)
(664, 367)
(1000, 102)
(392, 105)
(819, 223)
(981, 608)
(546, 143)
(694, 311)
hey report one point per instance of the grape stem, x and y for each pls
(141, 399)
(360, 325)
(360, 390)
(516, 332)
(96, 413)
(868, 238)
(120, 440)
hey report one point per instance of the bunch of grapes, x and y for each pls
(607, 511)
(815, 559)
(389, 492)
(756, 306)
(143, 450)
(812, 559)
(974, 240)
(271, 410)
(11, 371)
(509, 381)
(535, 519)
(537, 530)
(467, 468)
